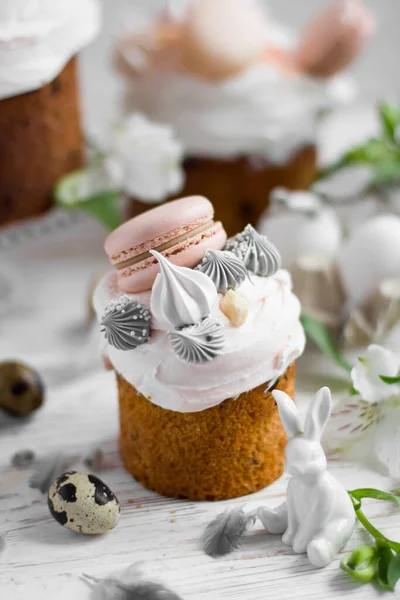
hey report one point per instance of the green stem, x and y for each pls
(376, 534)
(368, 525)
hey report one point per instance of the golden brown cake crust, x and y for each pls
(239, 191)
(40, 140)
(229, 450)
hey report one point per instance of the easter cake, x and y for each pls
(199, 330)
(40, 128)
(242, 95)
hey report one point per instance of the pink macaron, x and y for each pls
(222, 38)
(334, 39)
(181, 230)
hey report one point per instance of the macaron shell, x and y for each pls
(154, 227)
(333, 40)
(189, 253)
(221, 38)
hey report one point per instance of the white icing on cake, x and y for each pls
(266, 111)
(257, 352)
(38, 37)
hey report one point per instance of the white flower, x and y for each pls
(366, 375)
(366, 425)
(144, 159)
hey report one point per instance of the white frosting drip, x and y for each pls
(265, 111)
(38, 37)
(181, 296)
(257, 352)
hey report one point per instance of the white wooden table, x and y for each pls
(46, 327)
(41, 559)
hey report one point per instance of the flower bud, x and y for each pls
(361, 563)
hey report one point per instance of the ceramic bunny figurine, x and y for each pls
(318, 516)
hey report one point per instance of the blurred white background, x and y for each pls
(377, 71)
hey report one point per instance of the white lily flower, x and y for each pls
(366, 375)
(145, 159)
(366, 425)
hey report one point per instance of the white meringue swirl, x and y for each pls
(225, 269)
(200, 343)
(181, 296)
(256, 251)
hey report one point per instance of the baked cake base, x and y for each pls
(238, 190)
(232, 449)
(40, 140)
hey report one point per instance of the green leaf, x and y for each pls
(386, 171)
(360, 493)
(390, 118)
(373, 151)
(354, 156)
(385, 556)
(321, 336)
(360, 564)
(90, 190)
(390, 380)
(380, 154)
(393, 571)
(104, 207)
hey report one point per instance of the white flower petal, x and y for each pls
(114, 170)
(387, 441)
(350, 421)
(385, 361)
(146, 159)
(366, 374)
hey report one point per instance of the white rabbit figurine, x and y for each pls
(318, 516)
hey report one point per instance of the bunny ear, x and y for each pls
(287, 412)
(318, 414)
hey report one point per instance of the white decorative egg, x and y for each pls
(302, 226)
(83, 503)
(370, 255)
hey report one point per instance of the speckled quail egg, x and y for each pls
(83, 503)
(370, 255)
(21, 389)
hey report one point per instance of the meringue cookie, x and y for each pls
(198, 344)
(181, 296)
(225, 270)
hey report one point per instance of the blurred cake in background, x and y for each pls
(242, 94)
(40, 131)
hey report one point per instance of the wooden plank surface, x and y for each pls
(42, 560)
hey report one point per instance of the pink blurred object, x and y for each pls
(334, 39)
(221, 38)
